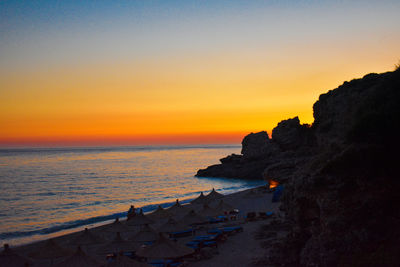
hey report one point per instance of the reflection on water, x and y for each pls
(45, 191)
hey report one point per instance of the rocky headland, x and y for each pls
(262, 156)
(340, 175)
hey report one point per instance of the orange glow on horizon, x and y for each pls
(182, 77)
(171, 139)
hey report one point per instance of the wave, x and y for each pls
(83, 222)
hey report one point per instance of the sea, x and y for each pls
(47, 192)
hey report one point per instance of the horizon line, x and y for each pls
(188, 139)
(122, 146)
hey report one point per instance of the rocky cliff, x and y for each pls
(341, 181)
(290, 145)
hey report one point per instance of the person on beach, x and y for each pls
(131, 212)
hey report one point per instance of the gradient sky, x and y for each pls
(151, 72)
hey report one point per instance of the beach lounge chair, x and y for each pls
(165, 263)
(215, 231)
(159, 262)
(211, 244)
(179, 234)
(262, 215)
(265, 215)
(223, 217)
(203, 241)
(236, 229)
(251, 216)
(215, 220)
(206, 237)
(194, 244)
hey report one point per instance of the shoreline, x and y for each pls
(111, 218)
(255, 199)
(69, 227)
(93, 226)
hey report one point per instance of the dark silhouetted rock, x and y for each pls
(344, 201)
(251, 170)
(340, 176)
(234, 158)
(290, 134)
(255, 145)
(256, 148)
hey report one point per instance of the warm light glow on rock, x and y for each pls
(273, 184)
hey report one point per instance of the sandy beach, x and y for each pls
(239, 249)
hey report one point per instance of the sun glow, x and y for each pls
(132, 77)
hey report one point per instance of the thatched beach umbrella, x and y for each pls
(117, 227)
(146, 234)
(213, 195)
(80, 258)
(118, 245)
(200, 199)
(177, 208)
(139, 219)
(172, 226)
(49, 250)
(160, 213)
(124, 261)
(164, 248)
(10, 258)
(193, 218)
(208, 211)
(86, 238)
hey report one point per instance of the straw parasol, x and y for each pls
(223, 206)
(213, 195)
(177, 208)
(199, 200)
(117, 245)
(139, 219)
(172, 226)
(80, 258)
(87, 238)
(193, 218)
(117, 227)
(124, 261)
(208, 211)
(160, 213)
(9, 258)
(49, 250)
(164, 248)
(146, 234)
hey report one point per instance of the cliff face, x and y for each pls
(344, 202)
(341, 181)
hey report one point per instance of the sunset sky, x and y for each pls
(179, 72)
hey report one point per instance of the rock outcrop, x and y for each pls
(340, 176)
(290, 143)
(256, 145)
(257, 150)
(290, 134)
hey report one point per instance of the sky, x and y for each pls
(179, 72)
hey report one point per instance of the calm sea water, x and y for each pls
(48, 192)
